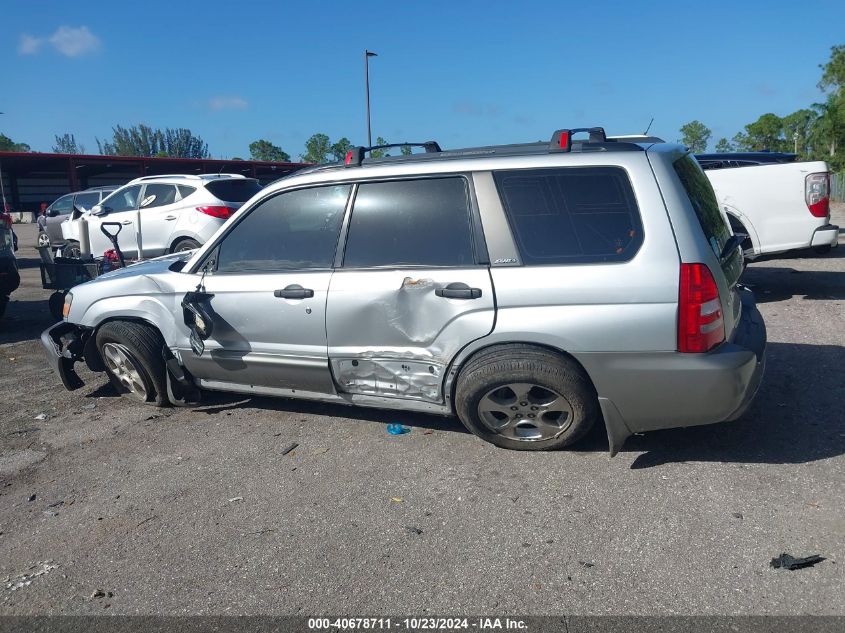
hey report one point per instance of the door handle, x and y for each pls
(294, 291)
(170, 217)
(458, 290)
(125, 222)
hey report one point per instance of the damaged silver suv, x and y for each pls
(532, 290)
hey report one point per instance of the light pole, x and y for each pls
(367, 55)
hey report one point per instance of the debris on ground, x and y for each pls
(428, 432)
(31, 497)
(40, 416)
(289, 448)
(93, 405)
(736, 515)
(397, 429)
(41, 568)
(396, 499)
(413, 529)
(234, 499)
(99, 593)
(785, 561)
(586, 564)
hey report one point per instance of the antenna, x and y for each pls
(221, 169)
(649, 127)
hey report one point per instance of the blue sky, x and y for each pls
(462, 72)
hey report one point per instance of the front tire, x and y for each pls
(525, 398)
(131, 353)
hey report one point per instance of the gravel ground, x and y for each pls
(197, 511)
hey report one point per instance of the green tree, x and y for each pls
(340, 148)
(696, 136)
(8, 145)
(829, 129)
(724, 145)
(142, 140)
(66, 144)
(406, 150)
(317, 149)
(833, 72)
(766, 133)
(379, 153)
(797, 128)
(265, 150)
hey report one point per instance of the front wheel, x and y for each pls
(43, 240)
(131, 353)
(525, 398)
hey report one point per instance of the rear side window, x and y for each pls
(703, 199)
(571, 215)
(235, 190)
(185, 190)
(291, 231)
(410, 223)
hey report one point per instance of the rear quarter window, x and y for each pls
(571, 215)
(239, 190)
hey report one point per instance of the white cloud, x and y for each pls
(29, 45)
(221, 102)
(74, 41)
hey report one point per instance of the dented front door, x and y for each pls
(391, 333)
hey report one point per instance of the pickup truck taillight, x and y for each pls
(700, 323)
(817, 194)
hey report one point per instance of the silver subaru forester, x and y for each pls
(531, 290)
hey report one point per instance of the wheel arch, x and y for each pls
(738, 220)
(176, 238)
(92, 355)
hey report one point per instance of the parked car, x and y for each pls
(780, 204)
(9, 277)
(532, 290)
(61, 210)
(177, 213)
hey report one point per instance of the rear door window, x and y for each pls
(410, 223)
(158, 195)
(571, 215)
(234, 190)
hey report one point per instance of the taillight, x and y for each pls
(700, 323)
(817, 194)
(217, 212)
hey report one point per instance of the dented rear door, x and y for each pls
(413, 288)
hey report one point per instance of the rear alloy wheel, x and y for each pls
(525, 398)
(43, 240)
(186, 244)
(132, 355)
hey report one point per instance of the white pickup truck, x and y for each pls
(780, 204)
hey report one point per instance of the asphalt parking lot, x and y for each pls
(111, 507)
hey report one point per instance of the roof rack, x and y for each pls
(355, 156)
(188, 176)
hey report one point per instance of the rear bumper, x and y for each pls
(827, 235)
(651, 391)
(63, 345)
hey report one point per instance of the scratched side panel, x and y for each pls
(390, 335)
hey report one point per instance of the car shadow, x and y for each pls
(217, 402)
(796, 418)
(778, 284)
(24, 320)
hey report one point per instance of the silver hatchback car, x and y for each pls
(531, 290)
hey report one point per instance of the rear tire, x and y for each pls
(525, 398)
(186, 244)
(131, 353)
(822, 250)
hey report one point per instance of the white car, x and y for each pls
(781, 205)
(164, 214)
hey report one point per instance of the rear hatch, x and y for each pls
(718, 234)
(233, 192)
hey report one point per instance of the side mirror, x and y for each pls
(99, 209)
(199, 318)
(52, 213)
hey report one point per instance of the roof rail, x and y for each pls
(355, 156)
(188, 176)
(598, 141)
